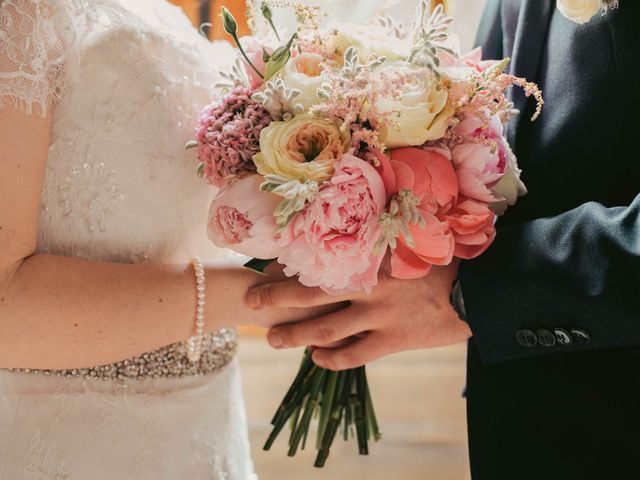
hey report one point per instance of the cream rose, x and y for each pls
(304, 73)
(369, 39)
(303, 148)
(422, 112)
(579, 11)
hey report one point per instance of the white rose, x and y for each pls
(422, 111)
(369, 39)
(304, 73)
(579, 11)
(510, 187)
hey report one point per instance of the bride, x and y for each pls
(100, 215)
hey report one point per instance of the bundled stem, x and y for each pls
(335, 399)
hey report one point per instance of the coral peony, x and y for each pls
(472, 226)
(430, 176)
(228, 136)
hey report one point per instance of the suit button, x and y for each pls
(580, 336)
(563, 336)
(546, 338)
(526, 338)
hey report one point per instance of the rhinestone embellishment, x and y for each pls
(218, 349)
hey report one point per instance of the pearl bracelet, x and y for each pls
(194, 343)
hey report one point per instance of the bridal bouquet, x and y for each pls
(341, 144)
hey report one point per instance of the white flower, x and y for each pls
(369, 40)
(304, 73)
(579, 11)
(422, 112)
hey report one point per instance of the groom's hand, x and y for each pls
(398, 315)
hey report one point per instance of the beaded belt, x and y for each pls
(218, 349)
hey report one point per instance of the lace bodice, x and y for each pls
(126, 80)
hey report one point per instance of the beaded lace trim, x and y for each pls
(218, 350)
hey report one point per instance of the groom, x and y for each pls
(552, 310)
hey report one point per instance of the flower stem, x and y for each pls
(310, 405)
(342, 393)
(327, 405)
(360, 408)
(281, 418)
(371, 415)
(305, 367)
(237, 41)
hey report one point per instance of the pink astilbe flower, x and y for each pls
(228, 136)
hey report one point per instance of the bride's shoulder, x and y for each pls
(31, 54)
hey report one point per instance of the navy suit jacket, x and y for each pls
(567, 257)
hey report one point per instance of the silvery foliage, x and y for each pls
(279, 100)
(403, 212)
(236, 78)
(395, 27)
(351, 69)
(429, 38)
(296, 195)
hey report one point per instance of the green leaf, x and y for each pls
(265, 55)
(279, 59)
(277, 62)
(200, 170)
(191, 144)
(258, 265)
(498, 68)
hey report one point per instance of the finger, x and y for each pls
(290, 294)
(355, 354)
(320, 331)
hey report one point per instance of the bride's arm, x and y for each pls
(60, 312)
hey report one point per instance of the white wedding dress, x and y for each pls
(125, 80)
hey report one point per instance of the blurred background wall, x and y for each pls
(418, 395)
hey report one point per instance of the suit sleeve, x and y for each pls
(578, 270)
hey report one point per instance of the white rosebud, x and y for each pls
(579, 11)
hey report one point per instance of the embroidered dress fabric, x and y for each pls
(124, 81)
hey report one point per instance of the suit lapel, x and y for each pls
(529, 41)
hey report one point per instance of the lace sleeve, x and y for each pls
(31, 56)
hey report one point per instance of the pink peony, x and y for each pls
(330, 243)
(241, 218)
(472, 225)
(482, 160)
(253, 48)
(431, 178)
(228, 136)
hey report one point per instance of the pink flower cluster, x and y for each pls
(228, 136)
(432, 198)
(332, 242)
